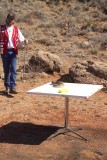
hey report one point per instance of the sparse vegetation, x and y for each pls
(51, 24)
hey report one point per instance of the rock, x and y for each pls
(99, 69)
(45, 62)
(89, 155)
(89, 72)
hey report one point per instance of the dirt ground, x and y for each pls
(26, 121)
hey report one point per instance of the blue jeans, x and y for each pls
(9, 65)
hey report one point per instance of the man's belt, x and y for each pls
(10, 49)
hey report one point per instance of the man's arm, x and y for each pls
(21, 38)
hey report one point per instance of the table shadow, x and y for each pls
(25, 133)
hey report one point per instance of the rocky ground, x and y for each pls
(77, 33)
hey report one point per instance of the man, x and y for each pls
(10, 36)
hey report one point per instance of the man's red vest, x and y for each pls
(4, 38)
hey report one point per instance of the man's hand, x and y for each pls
(26, 41)
(1, 51)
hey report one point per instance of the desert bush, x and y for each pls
(92, 1)
(53, 32)
(87, 25)
(56, 2)
(5, 7)
(99, 28)
(27, 18)
(46, 42)
(100, 38)
(93, 51)
(84, 44)
(48, 25)
(2, 17)
(76, 10)
(99, 42)
(104, 9)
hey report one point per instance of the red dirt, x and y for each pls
(28, 120)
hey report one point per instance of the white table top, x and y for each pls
(74, 90)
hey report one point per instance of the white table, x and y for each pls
(73, 90)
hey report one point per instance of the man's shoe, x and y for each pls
(13, 91)
(7, 91)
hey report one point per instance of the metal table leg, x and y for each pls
(65, 129)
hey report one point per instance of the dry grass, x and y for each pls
(80, 26)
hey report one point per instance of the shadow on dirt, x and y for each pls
(2, 93)
(25, 133)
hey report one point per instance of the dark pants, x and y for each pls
(9, 65)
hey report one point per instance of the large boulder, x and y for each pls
(89, 155)
(89, 72)
(45, 62)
